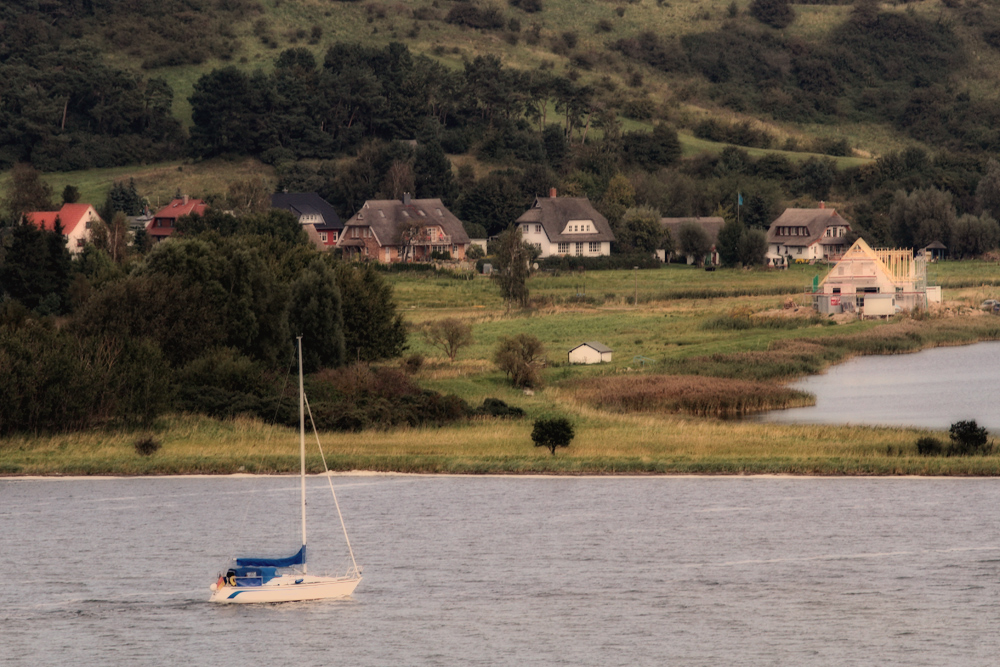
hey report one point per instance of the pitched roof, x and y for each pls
(178, 207)
(70, 215)
(597, 347)
(711, 225)
(815, 220)
(859, 250)
(308, 204)
(387, 216)
(555, 212)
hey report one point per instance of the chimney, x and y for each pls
(185, 198)
(552, 193)
(822, 204)
(406, 199)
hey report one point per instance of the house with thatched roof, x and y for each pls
(805, 234)
(566, 226)
(711, 225)
(403, 230)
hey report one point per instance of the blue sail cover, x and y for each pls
(297, 559)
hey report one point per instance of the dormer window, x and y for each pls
(405, 214)
(381, 213)
(421, 214)
(440, 214)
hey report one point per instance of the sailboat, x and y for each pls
(254, 579)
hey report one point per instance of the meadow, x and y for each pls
(679, 367)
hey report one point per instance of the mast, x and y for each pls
(302, 450)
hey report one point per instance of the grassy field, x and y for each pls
(605, 444)
(630, 415)
(158, 182)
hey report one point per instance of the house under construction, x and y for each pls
(875, 283)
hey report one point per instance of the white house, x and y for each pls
(566, 226)
(589, 353)
(76, 221)
(807, 234)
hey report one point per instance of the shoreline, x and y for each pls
(369, 473)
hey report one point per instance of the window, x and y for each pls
(563, 248)
(595, 247)
(322, 235)
(439, 212)
(382, 213)
(798, 251)
(538, 229)
(421, 214)
(836, 290)
(405, 214)
(579, 248)
(79, 243)
(354, 232)
(335, 237)
(88, 225)
(526, 228)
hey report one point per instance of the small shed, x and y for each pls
(935, 251)
(589, 353)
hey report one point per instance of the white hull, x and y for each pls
(284, 589)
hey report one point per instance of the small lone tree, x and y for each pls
(450, 335)
(519, 357)
(552, 433)
(968, 438)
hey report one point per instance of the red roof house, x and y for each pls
(76, 221)
(163, 223)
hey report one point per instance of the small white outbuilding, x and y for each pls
(589, 353)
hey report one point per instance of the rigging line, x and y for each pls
(329, 481)
(255, 479)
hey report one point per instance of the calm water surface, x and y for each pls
(513, 571)
(933, 388)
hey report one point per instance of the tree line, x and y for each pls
(205, 322)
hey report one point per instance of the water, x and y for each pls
(933, 388)
(515, 571)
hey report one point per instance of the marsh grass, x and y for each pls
(691, 394)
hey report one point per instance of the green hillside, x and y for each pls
(951, 44)
(861, 104)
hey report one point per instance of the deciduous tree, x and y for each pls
(519, 357)
(552, 433)
(692, 239)
(511, 272)
(449, 335)
(26, 191)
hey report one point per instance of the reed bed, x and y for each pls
(691, 394)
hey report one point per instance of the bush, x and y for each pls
(552, 433)
(605, 263)
(146, 446)
(412, 363)
(494, 407)
(928, 446)
(968, 439)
